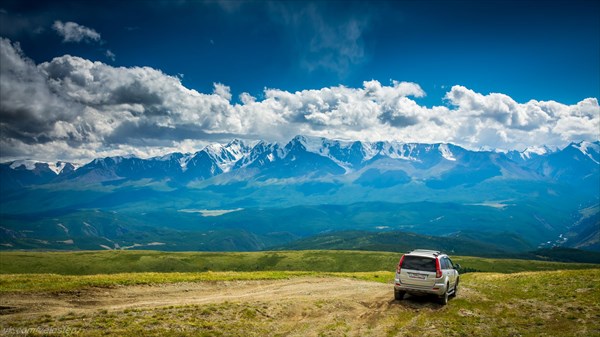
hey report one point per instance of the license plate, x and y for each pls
(417, 276)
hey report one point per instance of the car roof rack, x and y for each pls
(434, 252)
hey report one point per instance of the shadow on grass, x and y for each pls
(419, 302)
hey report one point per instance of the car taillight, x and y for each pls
(438, 269)
(400, 264)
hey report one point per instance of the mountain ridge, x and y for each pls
(336, 158)
(250, 196)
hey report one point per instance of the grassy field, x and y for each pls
(553, 303)
(556, 303)
(509, 298)
(58, 283)
(113, 262)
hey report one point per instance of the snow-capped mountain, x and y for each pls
(354, 155)
(529, 153)
(313, 157)
(226, 156)
(590, 150)
(576, 162)
(58, 167)
(261, 154)
(20, 173)
(317, 184)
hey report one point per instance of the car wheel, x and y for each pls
(444, 298)
(398, 295)
(455, 289)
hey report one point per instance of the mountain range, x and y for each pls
(255, 195)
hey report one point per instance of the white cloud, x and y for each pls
(222, 91)
(74, 109)
(518, 125)
(500, 108)
(581, 121)
(73, 32)
(28, 107)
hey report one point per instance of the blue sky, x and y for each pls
(478, 60)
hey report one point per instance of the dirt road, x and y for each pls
(300, 306)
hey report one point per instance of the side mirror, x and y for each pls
(457, 266)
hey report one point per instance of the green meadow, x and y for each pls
(497, 297)
(121, 261)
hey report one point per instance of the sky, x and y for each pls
(87, 79)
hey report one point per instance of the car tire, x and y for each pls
(444, 297)
(455, 289)
(398, 295)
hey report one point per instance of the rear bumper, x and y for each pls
(437, 289)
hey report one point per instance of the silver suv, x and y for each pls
(426, 272)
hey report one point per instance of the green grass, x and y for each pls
(550, 303)
(516, 265)
(115, 262)
(226, 319)
(56, 283)
(513, 297)
(554, 303)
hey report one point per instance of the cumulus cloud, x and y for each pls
(71, 108)
(74, 32)
(499, 121)
(28, 105)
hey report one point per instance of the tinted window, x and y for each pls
(444, 263)
(419, 263)
(450, 265)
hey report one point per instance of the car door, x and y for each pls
(452, 273)
(445, 271)
(418, 271)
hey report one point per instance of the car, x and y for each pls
(422, 272)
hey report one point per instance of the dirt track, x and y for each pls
(300, 306)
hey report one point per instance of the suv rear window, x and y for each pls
(418, 263)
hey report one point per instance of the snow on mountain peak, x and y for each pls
(585, 147)
(183, 161)
(535, 150)
(314, 144)
(589, 149)
(57, 167)
(214, 148)
(168, 157)
(446, 153)
(338, 151)
(367, 150)
(227, 155)
(29, 164)
(237, 148)
(349, 155)
(311, 144)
